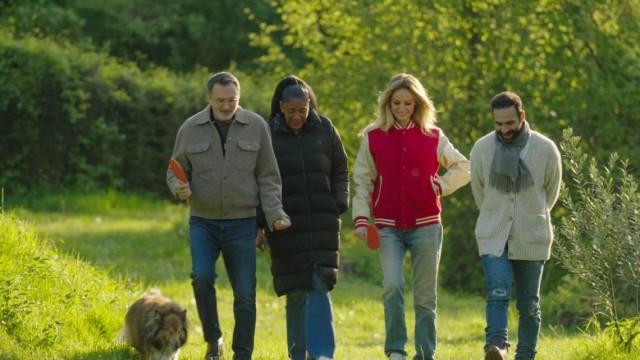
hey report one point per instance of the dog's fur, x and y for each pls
(156, 327)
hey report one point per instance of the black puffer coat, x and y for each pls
(315, 191)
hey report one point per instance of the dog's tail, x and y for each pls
(154, 291)
(124, 337)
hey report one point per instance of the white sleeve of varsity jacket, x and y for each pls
(457, 166)
(364, 176)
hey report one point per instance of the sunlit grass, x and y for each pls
(54, 305)
(104, 259)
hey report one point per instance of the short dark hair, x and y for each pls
(280, 89)
(223, 78)
(507, 99)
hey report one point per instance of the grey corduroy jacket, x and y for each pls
(228, 186)
(522, 219)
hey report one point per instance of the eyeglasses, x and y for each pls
(222, 102)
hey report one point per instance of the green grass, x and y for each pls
(53, 305)
(65, 289)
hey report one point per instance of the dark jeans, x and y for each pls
(499, 274)
(235, 239)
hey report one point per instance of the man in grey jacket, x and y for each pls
(515, 179)
(227, 155)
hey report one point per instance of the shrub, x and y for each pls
(78, 119)
(570, 305)
(83, 119)
(600, 235)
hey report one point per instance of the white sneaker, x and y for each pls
(324, 358)
(397, 356)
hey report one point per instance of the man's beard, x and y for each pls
(514, 134)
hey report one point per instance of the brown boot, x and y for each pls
(493, 352)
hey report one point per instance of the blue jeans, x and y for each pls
(235, 239)
(499, 274)
(424, 244)
(310, 322)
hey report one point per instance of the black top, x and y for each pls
(315, 191)
(223, 129)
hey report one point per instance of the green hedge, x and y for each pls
(76, 118)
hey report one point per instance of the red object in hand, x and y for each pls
(176, 169)
(373, 237)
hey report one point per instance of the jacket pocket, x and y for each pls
(247, 155)
(539, 228)
(487, 224)
(435, 185)
(378, 194)
(199, 156)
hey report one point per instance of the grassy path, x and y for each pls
(145, 242)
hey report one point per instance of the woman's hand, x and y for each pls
(281, 223)
(361, 233)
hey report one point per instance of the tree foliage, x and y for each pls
(180, 35)
(575, 63)
(572, 62)
(71, 115)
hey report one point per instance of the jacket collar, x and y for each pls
(280, 125)
(241, 116)
(410, 125)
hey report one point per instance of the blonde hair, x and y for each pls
(424, 114)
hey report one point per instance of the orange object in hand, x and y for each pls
(373, 237)
(176, 169)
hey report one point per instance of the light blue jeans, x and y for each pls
(499, 275)
(424, 244)
(310, 322)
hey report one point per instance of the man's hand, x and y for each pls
(261, 239)
(281, 223)
(183, 191)
(361, 233)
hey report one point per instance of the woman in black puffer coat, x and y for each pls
(315, 191)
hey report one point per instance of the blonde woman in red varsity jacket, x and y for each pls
(397, 184)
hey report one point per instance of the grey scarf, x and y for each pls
(509, 174)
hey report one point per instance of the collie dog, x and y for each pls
(156, 327)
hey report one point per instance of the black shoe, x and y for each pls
(214, 351)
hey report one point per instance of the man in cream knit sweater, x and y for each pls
(515, 179)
